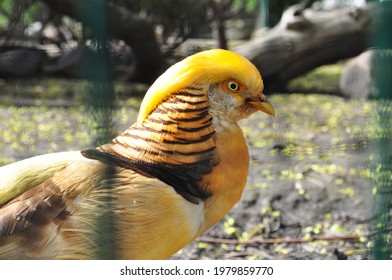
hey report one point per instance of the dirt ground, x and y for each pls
(316, 184)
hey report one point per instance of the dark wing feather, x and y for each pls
(36, 207)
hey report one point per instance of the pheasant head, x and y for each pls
(232, 84)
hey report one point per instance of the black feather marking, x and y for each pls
(193, 129)
(184, 178)
(179, 100)
(187, 141)
(198, 117)
(187, 93)
(165, 110)
(136, 137)
(150, 129)
(160, 121)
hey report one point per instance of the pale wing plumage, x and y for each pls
(20, 176)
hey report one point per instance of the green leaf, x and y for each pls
(202, 245)
(338, 229)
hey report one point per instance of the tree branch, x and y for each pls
(258, 240)
(304, 40)
(122, 24)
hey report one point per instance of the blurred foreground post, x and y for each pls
(100, 100)
(382, 39)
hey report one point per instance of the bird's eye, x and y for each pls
(232, 86)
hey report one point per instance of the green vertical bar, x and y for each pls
(382, 39)
(100, 102)
(264, 9)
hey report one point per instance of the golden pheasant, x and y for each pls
(163, 182)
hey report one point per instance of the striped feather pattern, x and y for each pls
(175, 144)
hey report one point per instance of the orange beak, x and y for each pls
(261, 103)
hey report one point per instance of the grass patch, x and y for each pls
(324, 79)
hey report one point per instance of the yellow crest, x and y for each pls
(200, 70)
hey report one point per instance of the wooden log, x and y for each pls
(305, 39)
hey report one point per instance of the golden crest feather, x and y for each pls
(196, 70)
